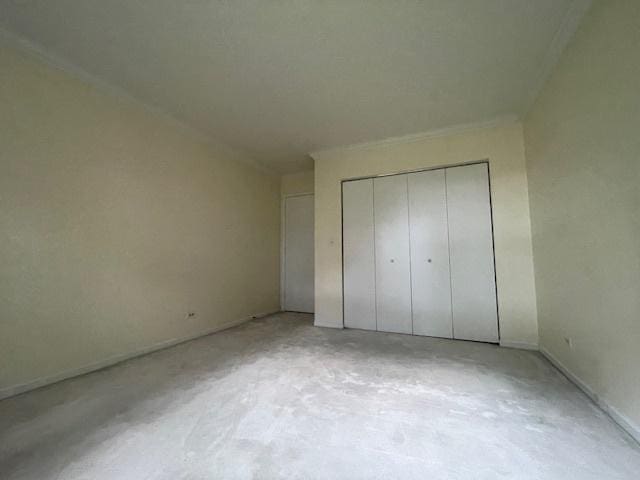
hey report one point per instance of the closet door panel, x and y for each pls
(358, 254)
(430, 276)
(473, 288)
(393, 278)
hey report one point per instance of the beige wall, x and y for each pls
(114, 224)
(295, 183)
(583, 159)
(503, 147)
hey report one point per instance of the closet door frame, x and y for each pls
(404, 172)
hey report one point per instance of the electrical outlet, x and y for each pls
(568, 341)
(191, 314)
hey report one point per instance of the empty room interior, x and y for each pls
(319, 239)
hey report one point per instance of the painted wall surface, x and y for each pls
(115, 224)
(583, 161)
(294, 183)
(503, 147)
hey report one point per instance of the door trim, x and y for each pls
(283, 247)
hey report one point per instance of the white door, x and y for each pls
(298, 254)
(473, 288)
(393, 278)
(358, 255)
(430, 279)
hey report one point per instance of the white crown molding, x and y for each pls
(55, 61)
(567, 29)
(417, 137)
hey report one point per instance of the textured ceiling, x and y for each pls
(281, 78)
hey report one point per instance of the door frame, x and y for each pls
(426, 169)
(283, 236)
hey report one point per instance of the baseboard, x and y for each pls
(519, 345)
(625, 423)
(321, 325)
(13, 390)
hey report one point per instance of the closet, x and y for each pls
(418, 254)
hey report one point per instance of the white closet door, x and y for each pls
(473, 288)
(393, 278)
(298, 254)
(430, 279)
(358, 255)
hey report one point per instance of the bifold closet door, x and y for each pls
(473, 288)
(358, 254)
(393, 277)
(430, 279)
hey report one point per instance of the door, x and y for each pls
(393, 278)
(358, 255)
(298, 254)
(473, 288)
(430, 278)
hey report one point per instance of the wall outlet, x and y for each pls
(191, 314)
(568, 341)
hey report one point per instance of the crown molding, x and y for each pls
(417, 137)
(567, 29)
(57, 62)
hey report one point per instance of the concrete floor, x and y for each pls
(278, 398)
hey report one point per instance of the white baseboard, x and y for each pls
(519, 345)
(625, 423)
(13, 390)
(317, 324)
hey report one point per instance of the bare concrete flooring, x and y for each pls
(278, 398)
